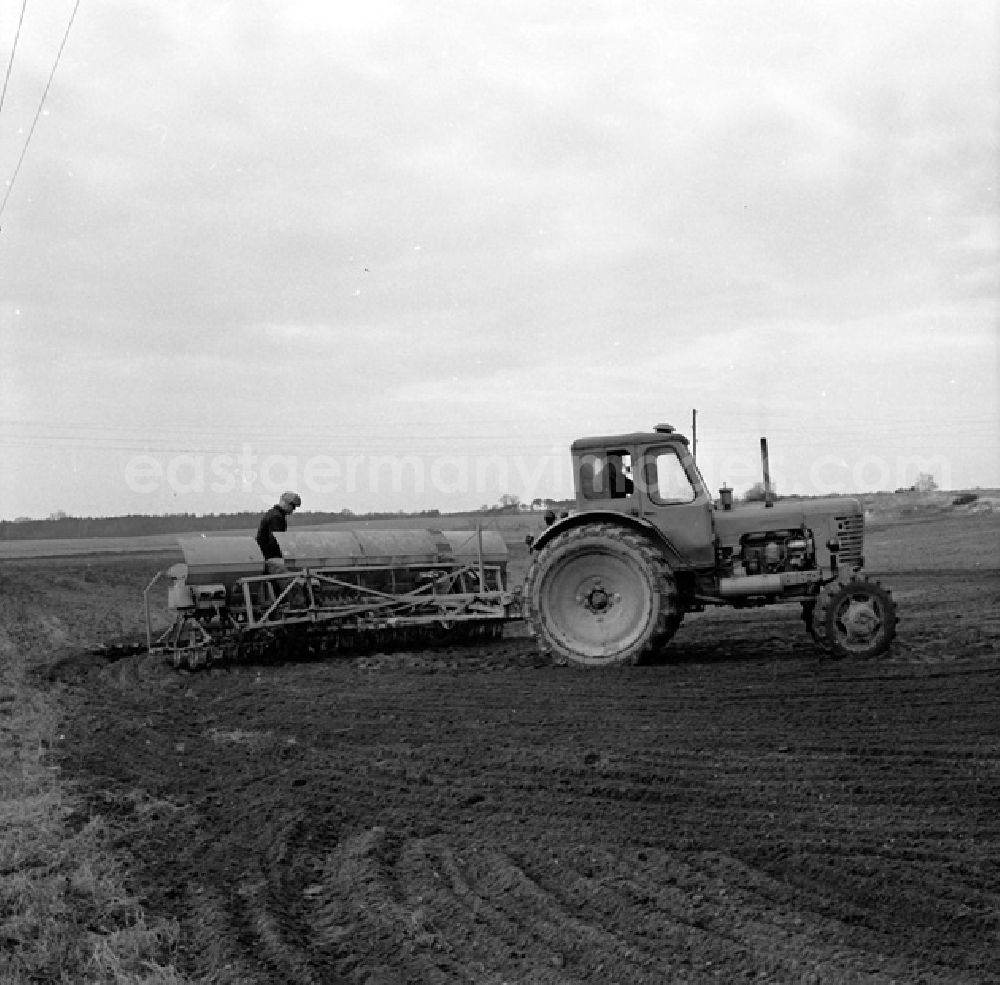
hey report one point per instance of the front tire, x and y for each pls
(855, 617)
(599, 595)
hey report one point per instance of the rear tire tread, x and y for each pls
(664, 594)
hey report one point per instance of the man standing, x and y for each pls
(275, 520)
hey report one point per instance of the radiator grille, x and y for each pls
(851, 534)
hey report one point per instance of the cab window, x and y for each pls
(607, 475)
(666, 479)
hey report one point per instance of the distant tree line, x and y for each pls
(511, 503)
(757, 493)
(59, 526)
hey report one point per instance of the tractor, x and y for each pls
(610, 582)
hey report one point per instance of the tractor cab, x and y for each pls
(651, 476)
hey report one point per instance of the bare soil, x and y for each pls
(743, 810)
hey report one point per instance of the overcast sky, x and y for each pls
(400, 254)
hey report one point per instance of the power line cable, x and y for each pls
(10, 63)
(165, 439)
(909, 424)
(38, 112)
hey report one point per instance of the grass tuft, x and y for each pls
(65, 915)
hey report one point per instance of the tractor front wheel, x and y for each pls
(855, 617)
(600, 594)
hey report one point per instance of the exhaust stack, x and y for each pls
(768, 492)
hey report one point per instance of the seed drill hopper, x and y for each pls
(343, 590)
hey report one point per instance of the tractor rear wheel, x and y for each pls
(600, 594)
(855, 617)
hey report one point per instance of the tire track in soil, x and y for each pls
(686, 916)
(947, 616)
(741, 809)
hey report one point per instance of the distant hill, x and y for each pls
(882, 505)
(137, 525)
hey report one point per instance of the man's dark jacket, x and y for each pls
(272, 522)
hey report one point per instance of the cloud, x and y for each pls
(561, 215)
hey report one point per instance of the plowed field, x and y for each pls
(743, 810)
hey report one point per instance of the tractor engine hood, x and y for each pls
(821, 516)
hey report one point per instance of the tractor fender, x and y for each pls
(673, 556)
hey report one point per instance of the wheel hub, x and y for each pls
(597, 599)
(861, 621)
